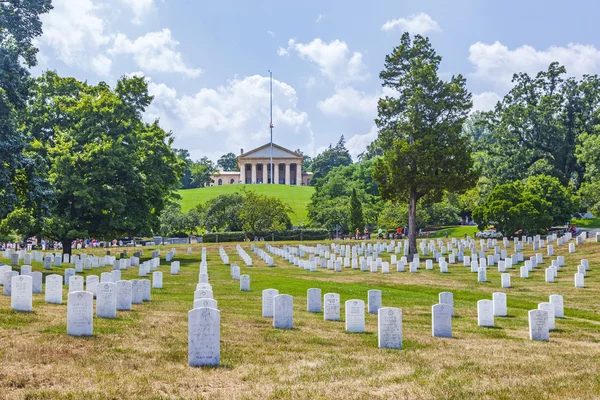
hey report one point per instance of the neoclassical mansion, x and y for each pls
(254, 168)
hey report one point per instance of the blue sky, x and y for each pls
(207, 62)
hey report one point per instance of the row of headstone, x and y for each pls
(204, 324)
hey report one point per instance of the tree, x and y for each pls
(356, 212)
(201, 172)
(535, 128)
(111, 173)
(562, 203)
(228, 162)
(329, 159)
(19, 25)
(306, 160)
(420, 130)
(186, 178)
(511, 208)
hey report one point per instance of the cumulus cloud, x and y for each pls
(497, 63)
(75, 32)
(346, 102)
(217, 121)
(334, 59)
(101, 65)
(420, 23)
(139, 8)
(485, 101)
(154, 52)
(320, 18)
(358, 143)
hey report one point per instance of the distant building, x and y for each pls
(254, 168)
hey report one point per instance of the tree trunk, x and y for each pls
(67, 246)
(412, 224)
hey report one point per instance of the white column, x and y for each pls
(298, 174)
(287, 174)
(243, 172)
(253, 172)
(276, 174)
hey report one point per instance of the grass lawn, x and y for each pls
(458, 231)
(143, 353)
(297, 197)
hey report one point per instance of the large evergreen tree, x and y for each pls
(356, 213)
(425, 153)
(332, 157)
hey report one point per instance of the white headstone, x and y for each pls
(91, 284)
(36, 282)
(124, 295)
(579, 280)
(80, 313)
(69, 272)
(441, 320)
(485, 313)
(76, 284)
(313, 302)
(538, 325)
(389, 328)
(524, 272)
(267, 302)
(499, 300)
(116, 275)
(137, 291)
(157, 280)
(210, 303)
(549, 308)
(447, 298)
(505, 278)
(355, 316)
(375, 302)
(283, 311)
(8, 275)
(204, 337)
(203, 294)
(21, 295)
(146, 285)
(106, 276)
(331, 307)
(54, 289)
(557, 301)
(106, 300)
(245, 283)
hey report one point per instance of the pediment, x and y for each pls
(265, 152)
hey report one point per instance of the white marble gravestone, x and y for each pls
(137, 291)
(441, 320)
(549, 308)
(157, 280)
(557, 301)
(331, 307)
(211, 303)
(389, 328)
(267, 302)
(245, 283)
(116, 275)
(355, 316)
(447, 298)
(235, 272)
(106, 300)
(91, 284)
(25, 269)
(374, 301)
(203, 277)
(123, 295)
(21, 297)
(505, 278)
(8, 275)
(283, 311)
(524, 272)
(579, 280)
(313, 301)
(499, 300)
(80, 313)
(549, 273)
(146, 289)
(485, 313)
(203, 294)
(204, 337)
(69, 272)
(53, 290)
(106, 277)
(36, 282)
(76, 284)
(175, 265)
(538, 325)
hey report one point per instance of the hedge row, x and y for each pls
(299, 234)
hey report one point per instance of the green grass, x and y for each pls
(458, 231)
(589, 223)
(297, 197)
(142, 354)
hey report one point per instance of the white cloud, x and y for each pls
(358, 143)
(416, 24)
(75, 32)
(271, 33)
(485, 101)
(282, 52)
(232, 116)
(334, 59)
(154, 52)
(496, 63)
(140, 8)
(348, 101)
(320, 18)
(101, 65)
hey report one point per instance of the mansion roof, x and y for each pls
(264, 152)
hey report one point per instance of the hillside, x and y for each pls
(297, 197)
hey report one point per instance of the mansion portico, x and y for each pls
(255, 168)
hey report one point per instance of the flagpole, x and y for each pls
(271, 123)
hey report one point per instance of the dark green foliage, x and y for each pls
(228, 162)
(425, 153)
(329, 159)
(356, 214)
